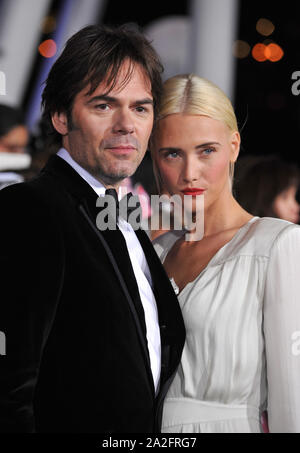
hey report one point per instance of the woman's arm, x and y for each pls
(281, 330)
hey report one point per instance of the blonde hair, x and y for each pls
(193, 95)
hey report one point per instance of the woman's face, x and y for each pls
(15, 141)
(286, 206)
(194, 152)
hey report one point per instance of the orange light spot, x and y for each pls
(48, 48)
(258, 52)
(274, 52)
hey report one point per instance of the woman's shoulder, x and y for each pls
(274, 223)
(273, 227)
(163, 243)
(286, 236)
(265, 232)
(257, 238)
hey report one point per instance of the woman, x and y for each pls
(13, 141)
(13, 133)
(238, 286)
(275, 188)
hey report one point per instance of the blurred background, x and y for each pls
(251, 49)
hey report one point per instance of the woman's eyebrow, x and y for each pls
(168, 148)
(207, 144)
(174, 149)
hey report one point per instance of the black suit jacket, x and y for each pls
(76, 350)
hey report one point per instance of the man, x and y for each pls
(93, 329)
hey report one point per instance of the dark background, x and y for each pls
(263, 90)
(267, 111)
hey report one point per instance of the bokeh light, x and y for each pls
(265, 27)
(258, 52)
(48, 24)
(241, 49)
(274, 52)
(48, 48)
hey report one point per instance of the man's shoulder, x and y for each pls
(33, 201)
(32, 191)
(16, 193)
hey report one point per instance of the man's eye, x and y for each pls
(140, 109)
(102, 107)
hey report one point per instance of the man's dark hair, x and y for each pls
(94, 54)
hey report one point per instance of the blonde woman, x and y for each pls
(238, 287)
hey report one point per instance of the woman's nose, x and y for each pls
(190, 172)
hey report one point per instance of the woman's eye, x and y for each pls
(208, 151)
(171, 154)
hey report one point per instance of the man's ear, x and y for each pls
(235, 146)
(60, 122)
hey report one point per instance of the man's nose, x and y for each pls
(123, 122)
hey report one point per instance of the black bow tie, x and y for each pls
(114, 194)
(122, 207)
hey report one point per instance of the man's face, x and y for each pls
(109, 133)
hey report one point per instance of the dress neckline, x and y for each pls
(212, 260)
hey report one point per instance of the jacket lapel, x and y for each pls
(85, 199)
(171, 330)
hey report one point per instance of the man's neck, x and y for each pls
(98, 186)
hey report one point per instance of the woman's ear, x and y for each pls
(235, 143)
(60, 122)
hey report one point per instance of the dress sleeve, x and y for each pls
(282, 332)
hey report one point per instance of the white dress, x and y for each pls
(242, 350)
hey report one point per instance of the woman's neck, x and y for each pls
(224, 214)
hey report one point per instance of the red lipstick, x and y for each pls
(193, 191)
